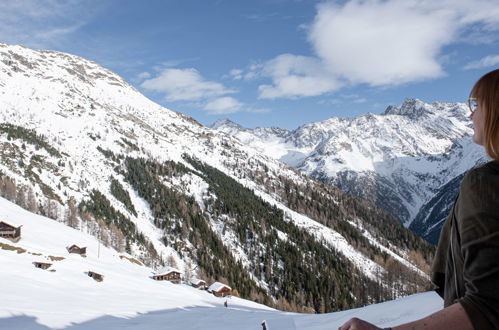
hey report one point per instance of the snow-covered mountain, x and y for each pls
(399, 160)
(63, 296)
(80, 145)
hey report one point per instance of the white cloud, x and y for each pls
(236, 74)
(223, 105)
(251, 75)
(189, 85)
(143, 75)
(43, 23)
(296, 76)
(379, 43)
(184, 85)
(485, 62)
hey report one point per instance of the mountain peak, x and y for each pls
(412, 108)
(225, 123)
(20, 61)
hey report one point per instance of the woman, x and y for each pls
(465, 270)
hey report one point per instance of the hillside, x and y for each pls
(63, 296)
(81, 146)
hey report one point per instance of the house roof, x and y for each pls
(197, 281)
(167, 270)
(9, 225)
(217, 286)
(95, 273)
(76, 246)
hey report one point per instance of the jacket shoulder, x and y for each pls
(485, 175)
(480, 189)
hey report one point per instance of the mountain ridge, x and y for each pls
(398, 159)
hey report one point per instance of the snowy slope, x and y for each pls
(68, 295)
(128, 298)
(79, 105)
(84, 112)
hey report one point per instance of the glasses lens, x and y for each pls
(473, 104)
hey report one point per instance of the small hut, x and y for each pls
(199, 284)
(42, 265)
(9, 231)
(96, 276)
(220, 290)
(168, 274)
(76, 249)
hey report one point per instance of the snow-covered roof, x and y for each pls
(98, 272)
(8, 224)
(197, 281)
(167, 270)
(217, 286)
(74, 245)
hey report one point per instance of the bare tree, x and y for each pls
(8, 189)
(71, 216)
(171, 261)
(188, 271)
(103, 232)
(117, 238)
(21, 199)
(51, 209)
(32, 202)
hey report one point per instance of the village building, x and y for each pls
(96, 276)
(42, 265)
(76, 249)
(199, 284)
(9, 231)
(220, 290)
(168, 274)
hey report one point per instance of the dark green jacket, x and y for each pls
(466, 266)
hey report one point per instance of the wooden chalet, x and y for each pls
(96, 276)
(199, 284)
(168, 274)
(220, 290)
(76, 249)
(9, 231)
(42, 265)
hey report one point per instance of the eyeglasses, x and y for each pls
(472, 104)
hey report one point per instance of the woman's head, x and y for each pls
(486, 116)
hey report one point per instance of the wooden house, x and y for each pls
(42, 265)
(168, 274)
(220, 290)
(76, 249)
(9, 231)
(199, 284)
(96, 276)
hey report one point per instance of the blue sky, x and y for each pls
(272, 62)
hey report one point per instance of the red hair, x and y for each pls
(486, 91)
